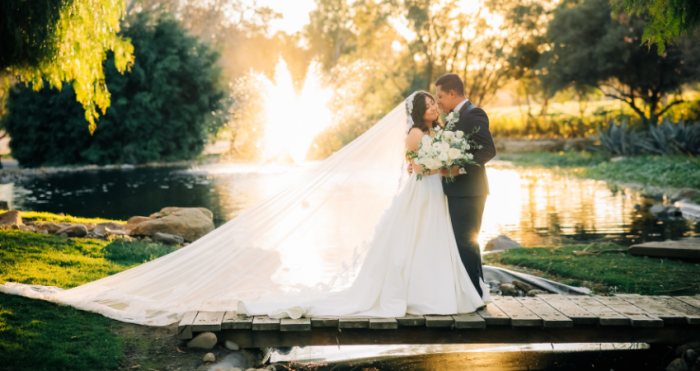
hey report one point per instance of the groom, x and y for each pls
(467, 195)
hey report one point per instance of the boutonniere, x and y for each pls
(453, 117)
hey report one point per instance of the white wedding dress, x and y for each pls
(305, 246)
(412, 266)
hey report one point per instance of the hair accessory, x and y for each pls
(409, 110)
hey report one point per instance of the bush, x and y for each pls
(666, 138)
(161, 110)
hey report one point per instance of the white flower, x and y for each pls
(449, 135)
(466, 147)
(444, 147)
(421, 153)
(462, 171)
(426, 140)
(469, 156)
(437, 146)
(454, 153)
(443, 157)
(453, 116)
(459, 134)
(432, 163)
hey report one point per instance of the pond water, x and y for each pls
(532, 206)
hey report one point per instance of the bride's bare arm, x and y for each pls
(414, 137)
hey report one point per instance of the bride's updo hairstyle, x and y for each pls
(419, 109)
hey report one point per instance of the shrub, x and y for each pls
(666, 138)
(161, 110)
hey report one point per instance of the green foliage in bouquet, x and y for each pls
(163, 110)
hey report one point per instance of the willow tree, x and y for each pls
(61, 41)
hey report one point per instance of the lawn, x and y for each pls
(38, 335)
(660, 171)
(604, 272)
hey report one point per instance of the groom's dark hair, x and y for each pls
(450, 81)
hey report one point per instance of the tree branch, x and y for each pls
(670, 105)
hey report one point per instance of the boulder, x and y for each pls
(508, 289)
(27, 228)
(116, 232)
(90, 226)
(168, 239)
(134, 221)
(501, 243)
(75, 230)
(4, 205)
(190, 224)
(537, 292)
(230, 345)
(51, 227)
(657, 209)
(171, 210)
(10, 218)
(690, 357)
(684, 193)
(522, 285)
(205, 340)
(100, 228)
(677, 365)
(209, 357)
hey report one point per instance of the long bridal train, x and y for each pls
(306, 241)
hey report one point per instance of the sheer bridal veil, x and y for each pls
(307, 239)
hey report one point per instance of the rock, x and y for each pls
(75, 230)
(205, 340)
(90, 226)
(94, 235)
(4, 205)
(100, 228)
(637, 207)
(146, 239)
(618, 158)
(537, 292)
(116, 232)
(695, 345)
(673, 211)
(690, 357)
(657, 209)
(677, 365)
(51, 227)
(171, 210)
(522, 285)
(508, 289)
(230, 345)
(64, 235)
(168, 239)
(209, 357)
(501, 243)
(134, 221)
(27, 228)
(684, 193)
(12, 217)
(190, 224)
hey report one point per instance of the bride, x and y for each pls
(413, 265)
(354, 236)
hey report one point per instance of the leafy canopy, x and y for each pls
(64, 40)
(164, 109)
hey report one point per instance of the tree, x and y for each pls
(163, 110)
(589, 47)
(666, 19)
(61, 41)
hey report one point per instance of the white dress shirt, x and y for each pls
(459, 106)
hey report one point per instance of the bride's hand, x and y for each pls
(410, 168)
(444, 172)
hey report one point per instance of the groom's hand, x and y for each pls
(446, 172)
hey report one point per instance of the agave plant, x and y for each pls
(619, 140)
(670, 138)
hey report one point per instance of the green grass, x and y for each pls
(621, 272)
(41, 216)
(37, 335)
(661, 171)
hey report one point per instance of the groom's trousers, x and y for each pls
(466, 213)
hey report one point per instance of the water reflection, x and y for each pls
(533, 206)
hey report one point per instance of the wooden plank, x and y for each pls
(638, 317)
(383, 324)
(656, 307)
(234, 321)
(550, 316)
(208, 321)
(469, 320)
(519, 315)
(439, 321)
(491, 335)
(570, 309)
(265, 323)
(690, 300)
(607, 316)
(353, 323)
(184, 328)
(298, 324)
(324, 322)
(692, 314)
(668, 249)
(493, 315)
(411, 320)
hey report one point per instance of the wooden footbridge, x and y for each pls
(541, 319)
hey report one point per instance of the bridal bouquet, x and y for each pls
(446, 149)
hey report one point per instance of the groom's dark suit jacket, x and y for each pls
(474, 182)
